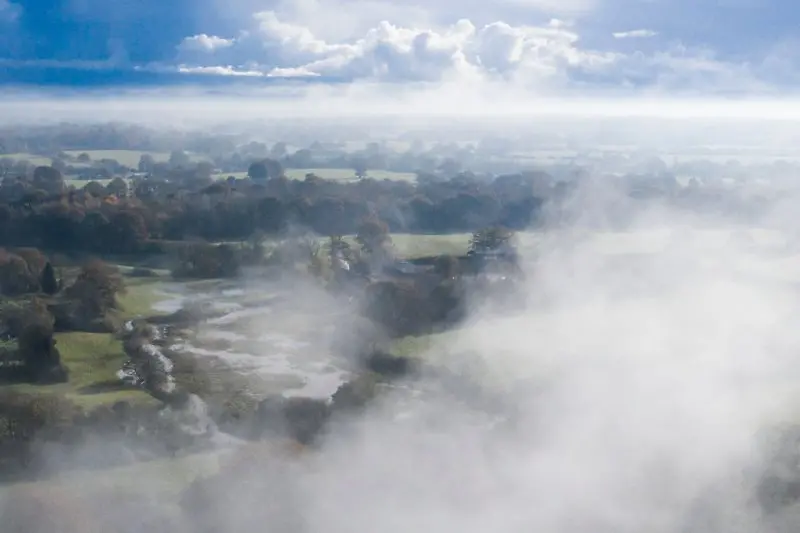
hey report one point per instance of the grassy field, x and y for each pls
(413, 245)
(341, 174)
(31, 158)
(93, 359)
(129, 158)
(80, 184)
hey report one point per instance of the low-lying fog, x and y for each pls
(642, 383)
(643, 376)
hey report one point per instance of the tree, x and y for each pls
(48, 179)
(118, 187)
(95, 189)
(95, 289)
(146, 163)
(204, 169)
(265, 169)
(49, 282)
(278, 150)
(16, 277)
(126, 231)
(373, 235)
(37, 347)
(34, 258)
(270, 214)
(490, 239)
(257, 171)
(179, 159)
(83, 157)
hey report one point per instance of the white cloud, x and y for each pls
(634, 34)
(219, 71)
(204, 43)
(388, 52)
(545, 59)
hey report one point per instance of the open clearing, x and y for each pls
(93, 359)
(129, 158)
(339, 174)
(37, 160)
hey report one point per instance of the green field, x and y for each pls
(80, 184)
(129, 158)
(36, 160)
(341, 174)
(93, 359)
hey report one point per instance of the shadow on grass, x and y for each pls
(111, 385)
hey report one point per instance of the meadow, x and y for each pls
(339, 174)
(130, 158)
(93, 359)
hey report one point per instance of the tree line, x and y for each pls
(38, 209)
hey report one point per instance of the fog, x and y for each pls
(633, 393)
(648, 381)
(638, 384)
(197, 105)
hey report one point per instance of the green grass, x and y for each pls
(129, 158)
(93, 360)
(347, 174)
(36, 160)
(339, 174)
(80, 184)
(224, 175)
(139, 298)
(410, 245)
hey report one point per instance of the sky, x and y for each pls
(700, 48)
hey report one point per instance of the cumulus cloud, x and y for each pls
(204, 43)
(546, 58)
(634, 34)
(388, 52)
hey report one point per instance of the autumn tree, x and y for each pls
(95, 290)
(118, 187)
(126, 231)
(373, 237)
(16, 277)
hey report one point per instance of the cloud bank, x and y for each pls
(547, 58)
(541, 47)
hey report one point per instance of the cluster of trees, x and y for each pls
(38, 210)
(34, 303)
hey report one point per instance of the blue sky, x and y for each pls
(540, 46)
